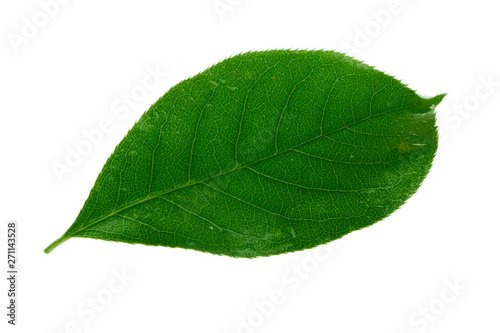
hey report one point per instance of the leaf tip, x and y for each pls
(437, 99)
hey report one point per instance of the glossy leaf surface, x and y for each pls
(264, 153)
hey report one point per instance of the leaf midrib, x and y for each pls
(151, 197)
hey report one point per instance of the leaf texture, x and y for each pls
(264, 153)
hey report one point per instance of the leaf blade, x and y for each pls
(265, 153)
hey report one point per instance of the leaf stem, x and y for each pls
(55, 244)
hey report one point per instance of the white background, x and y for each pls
(65, 79)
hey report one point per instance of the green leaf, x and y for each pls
(264, 153)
